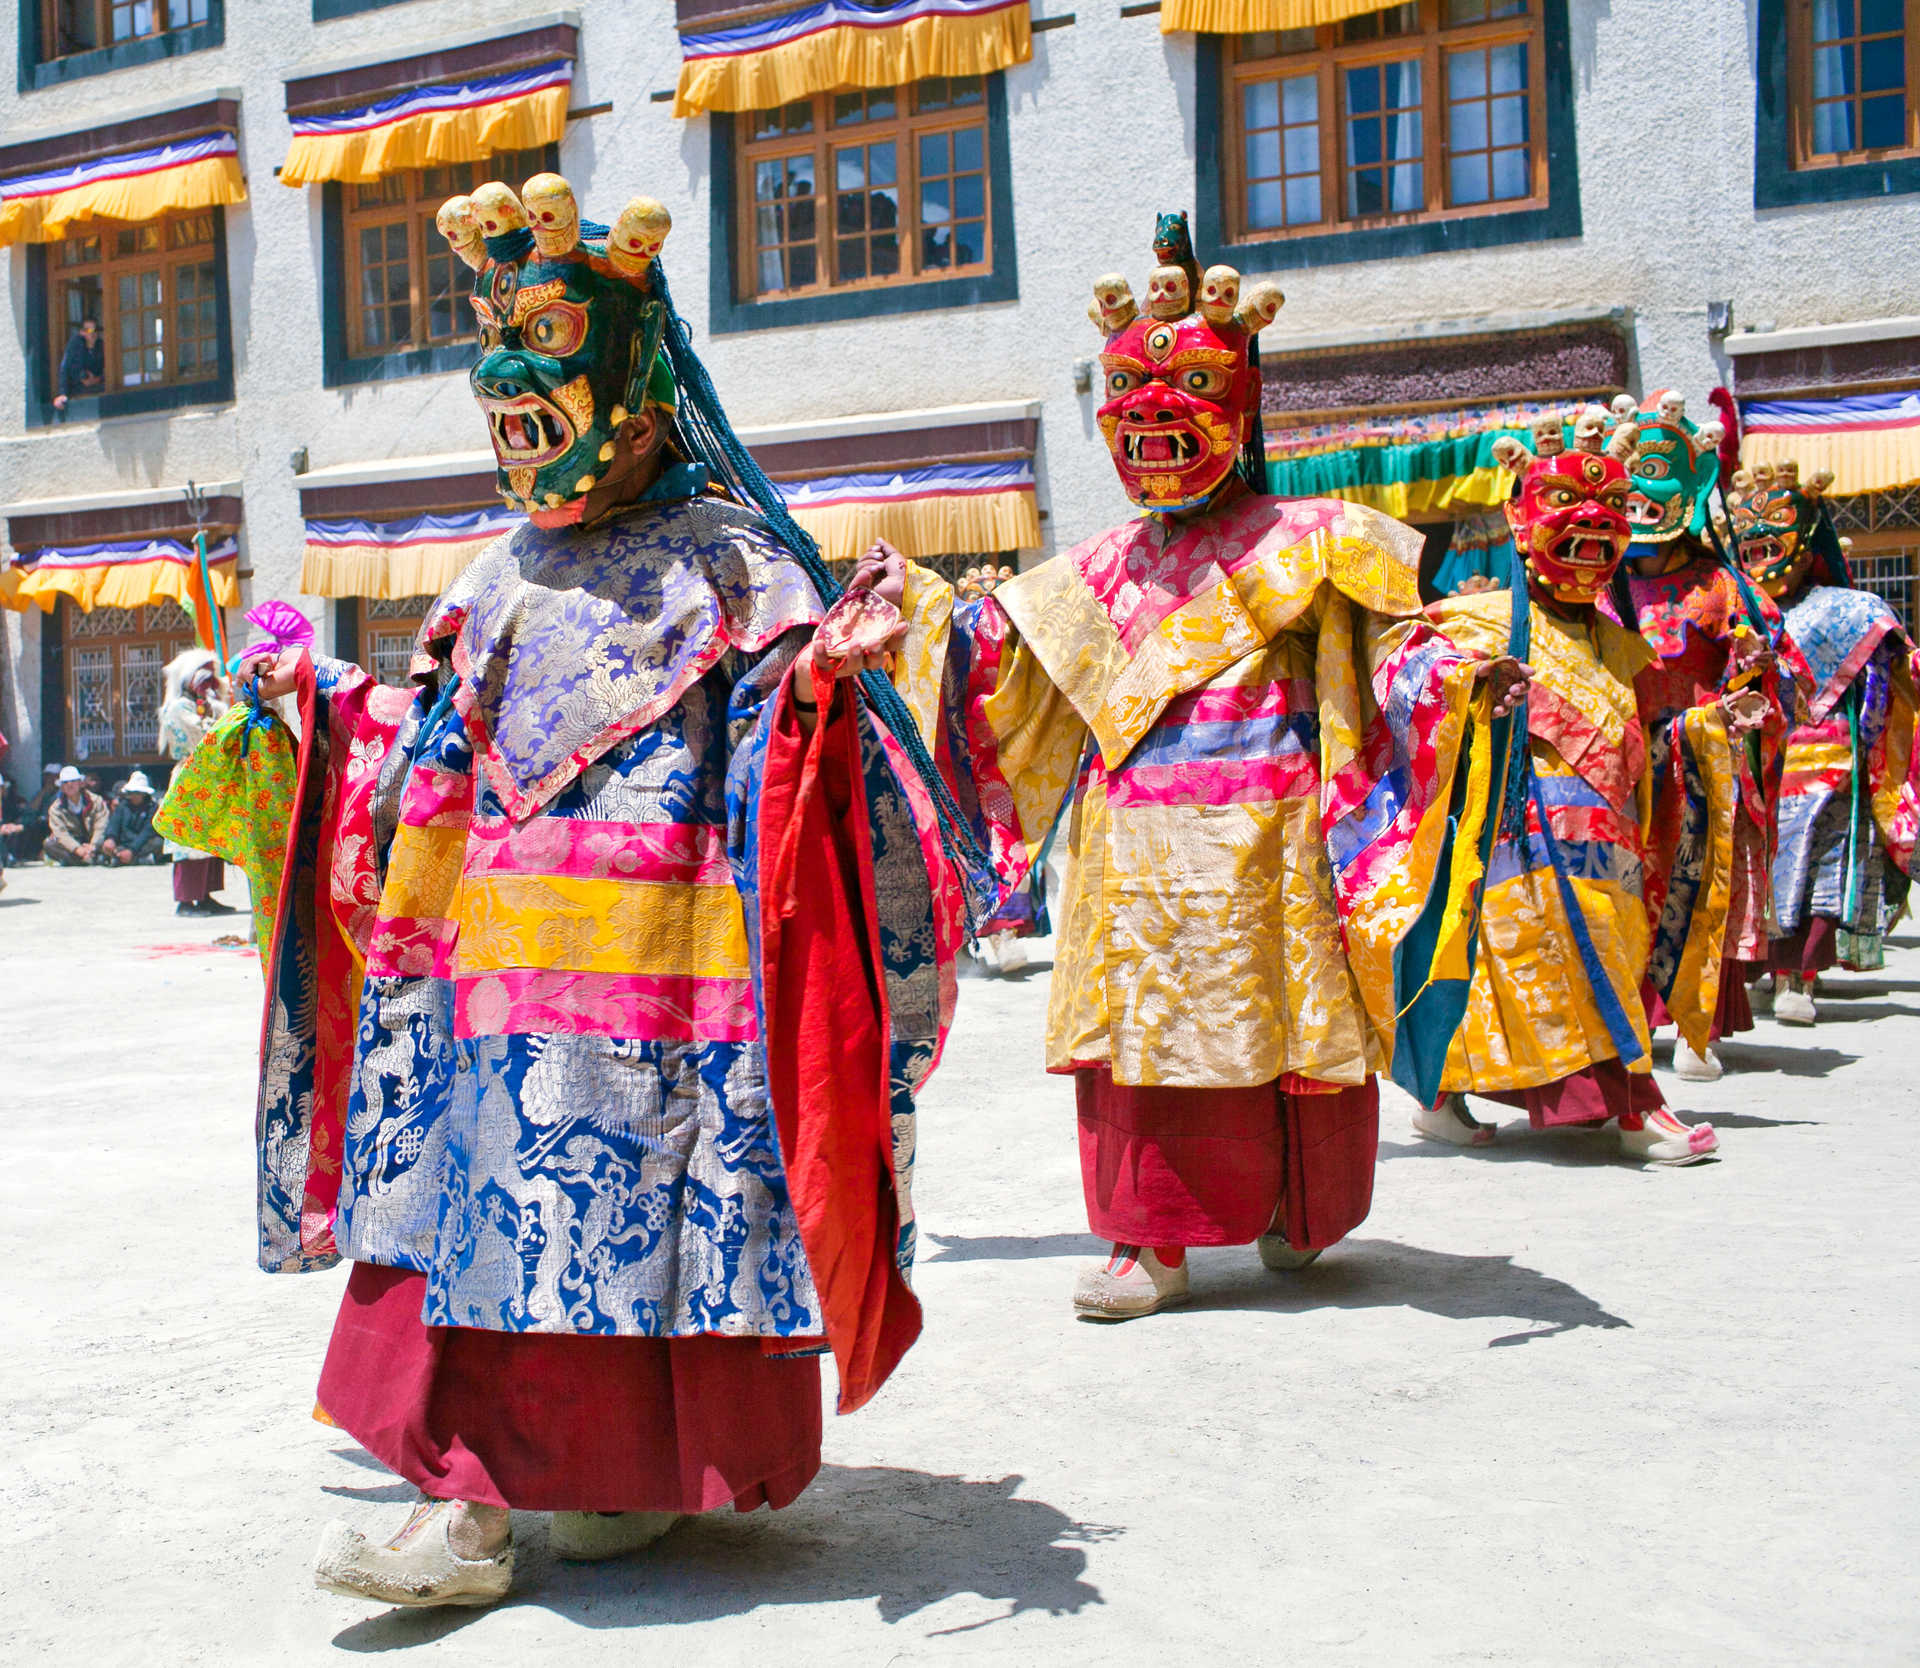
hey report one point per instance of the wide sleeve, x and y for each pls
(350, 727)
(1887, 720)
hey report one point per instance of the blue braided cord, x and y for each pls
(703, 430)
(1519, 761)
(510, 246)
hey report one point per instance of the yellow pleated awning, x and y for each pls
(413, 556)
(125, 574)
(428, 126)
(1252, 17)
(12, 577)
(132, 186)
(1869, 442)
(939, 510)
(791, 55)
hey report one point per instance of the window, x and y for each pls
(1849, 78)
(1420, 111)
(388, 627)
(152, 289)
(115, 661)
(72, 26)
(1883, 529)
(863, 188)
(405, 288)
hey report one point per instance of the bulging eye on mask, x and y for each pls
(571, 378)
(1569, 513)
(1774, 518)
(1674, 471)
(1182, 394)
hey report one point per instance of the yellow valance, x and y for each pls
(420, 556)
(426, 127)
(1870, 442)
(923, 528)
(130, 576)
(836, 44)
(1252, 17)
(141, 185)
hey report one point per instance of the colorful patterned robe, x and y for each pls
(1688, 618)
(1847, 762)
(1185, 695)
(1532, 1014)
(546, 1016)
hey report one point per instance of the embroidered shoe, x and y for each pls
(1793, 1001)
(418, 1567)
(1130, 1283)
(1659, 1137)
(1451, 1121)
(587, 1537)
(1690, 1067)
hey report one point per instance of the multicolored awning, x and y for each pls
(426, 126)
(1871, 442)
(126, 573)
(1248, 17)
(814, 49)
(420, 556)
(939, 509)
(1437, 463)
(135, 185)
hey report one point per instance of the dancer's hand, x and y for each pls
(1745, 710)
(1509, 676)
(1475, 583)
(269, 675)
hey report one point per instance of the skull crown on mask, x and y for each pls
(570, 331)
(1181, 394)
(1773, 517)
(1674, 470)
(1569, 516)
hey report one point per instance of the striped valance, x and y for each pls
(936, 510)
(418, 556)
(774, 59)
(1870, 442)
(41, 207)
(129, 573)
(425, 126)
(1249, 17)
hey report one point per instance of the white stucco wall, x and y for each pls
(1101, 138)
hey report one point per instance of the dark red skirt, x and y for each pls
(550, 1422)
(1732, 1013)
(1602, 1091)
(1812, 949)
(196, 879)
(1211, 1166)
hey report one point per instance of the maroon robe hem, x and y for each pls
(1603, 1090)
(1809, 950)
(552, 1422)
(1164, 1166)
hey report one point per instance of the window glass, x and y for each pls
(1858, 64)
(1384, 174)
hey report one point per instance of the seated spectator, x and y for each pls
(33, 820)
(131, 837)
(76, 822)
(13, 821)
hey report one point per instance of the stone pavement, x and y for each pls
(1544, 1408)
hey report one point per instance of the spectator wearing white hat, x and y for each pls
(76, 822)
(131, 836)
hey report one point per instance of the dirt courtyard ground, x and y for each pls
(1545, 1407)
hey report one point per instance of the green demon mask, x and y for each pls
(1675, 471)
(570, 331)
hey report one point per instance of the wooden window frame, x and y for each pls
(163, 13)
(109, 269)
(905, 128)
(165, 627)
(416, 209)
(1328, 60)
(1802, 157)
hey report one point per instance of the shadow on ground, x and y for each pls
(1742, 1057)
(1020, 975)
(1574, 1146)
(905, 1539)
(1010, 1248)
(1383, 1274)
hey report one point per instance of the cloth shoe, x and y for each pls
(1130, 1283)
(1793, 1001)
(1278, 1255)
(1760, 996)
(418, 1567)
(1451, 1121)
(1690, 1067)
(1658, 1137)
(587, 1537)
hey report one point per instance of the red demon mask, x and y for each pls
(1569, 518)
(1182, 396)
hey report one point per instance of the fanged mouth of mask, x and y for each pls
(527, 431)
(1585, 550)
(1767, 554)
(1160, 447)
(1645, 512)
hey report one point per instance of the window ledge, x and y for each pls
(99, 410)
(37, 76)
(396, 367)
(828, 307)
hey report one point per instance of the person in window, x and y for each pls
(622, 921)
(1849, 751)
(83, 365)
(190, 706)
(131, 837)
(76, 822)
(1166, 694)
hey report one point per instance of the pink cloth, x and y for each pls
(1166, 1166)
(550, 1422)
